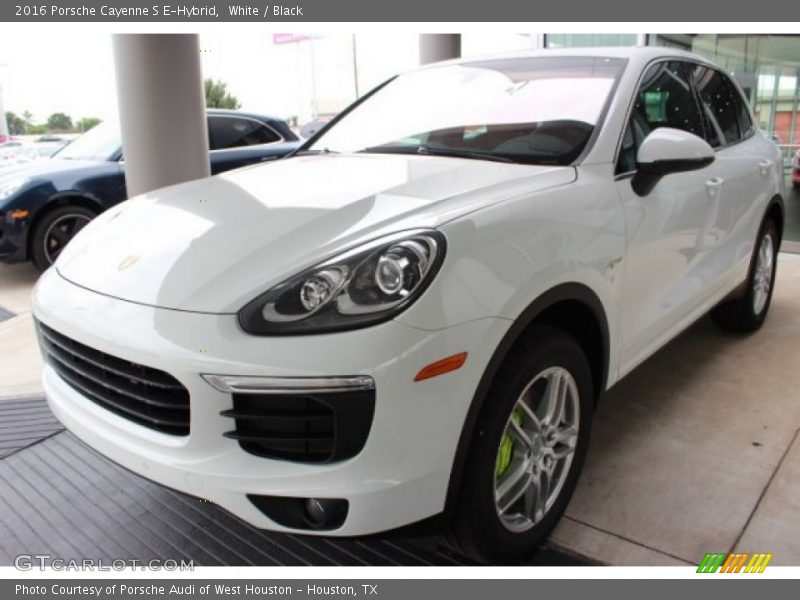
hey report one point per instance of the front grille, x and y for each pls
(141, 394)
(311, 428)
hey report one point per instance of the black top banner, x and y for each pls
(452, 11)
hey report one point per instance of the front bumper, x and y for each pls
(401, 475)
(13, 237)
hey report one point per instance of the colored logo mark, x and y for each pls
(734, 562)
(128, 262)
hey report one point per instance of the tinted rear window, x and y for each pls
(233, 132)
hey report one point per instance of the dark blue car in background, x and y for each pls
(43, 204)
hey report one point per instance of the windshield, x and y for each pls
(101, 142)
(539, 110)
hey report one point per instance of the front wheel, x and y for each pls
(527, 450)
(748, 312)
(54, 231)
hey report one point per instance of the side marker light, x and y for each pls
(440, 367)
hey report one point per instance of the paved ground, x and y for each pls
(696, 451)
(60, 498)
(21, 365)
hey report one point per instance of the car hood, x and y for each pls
(46, 167)
(213, 244)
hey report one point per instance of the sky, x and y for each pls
(65, 72)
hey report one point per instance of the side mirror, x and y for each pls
(667, 150)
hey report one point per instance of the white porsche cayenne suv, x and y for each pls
(415, 314)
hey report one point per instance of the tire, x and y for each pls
(747, 313)
(54, 231)
(478, 529)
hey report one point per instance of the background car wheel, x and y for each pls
(748, 312)
(527, 450)
(54, 231)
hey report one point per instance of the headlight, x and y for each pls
(9, 187)
(363, 286)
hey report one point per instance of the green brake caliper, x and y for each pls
(506, 451)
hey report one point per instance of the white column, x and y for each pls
(161, 109)
(434, 47)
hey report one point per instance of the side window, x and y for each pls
(722, 105)
(664, 99)
(746, 125)
(233, 132)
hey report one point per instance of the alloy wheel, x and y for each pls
(60, 232)
(536, 450)
(762, 278)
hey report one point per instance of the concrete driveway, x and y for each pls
(697, 451)
(21, 364)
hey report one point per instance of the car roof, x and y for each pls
(636, 55)
(241, 113)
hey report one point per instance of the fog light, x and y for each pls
(321, 514)
(303, 513)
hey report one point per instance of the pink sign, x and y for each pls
(289, 38)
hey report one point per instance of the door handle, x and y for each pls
(713, 185)
(764, 167)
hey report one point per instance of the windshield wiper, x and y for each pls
(428, 151)
(456, 153)
(315, 152)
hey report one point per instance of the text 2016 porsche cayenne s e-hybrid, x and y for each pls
(416, 313)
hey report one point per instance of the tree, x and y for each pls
(36, 129)
(217, 95)
(16, 124)
(59, 122)
(86, 123)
